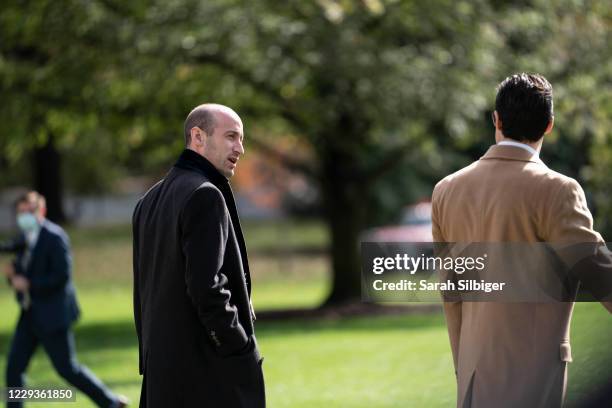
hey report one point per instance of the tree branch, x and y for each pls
(388, 162)
(247, 77)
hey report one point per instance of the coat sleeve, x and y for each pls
(13, 246)
(136, 293)
(570, 220)
(581, 248)
(59, 263)
(204, 226)
(452, 309)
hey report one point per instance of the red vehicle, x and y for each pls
(415, 226)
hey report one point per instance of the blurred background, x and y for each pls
(353, 110)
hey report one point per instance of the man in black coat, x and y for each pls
(41, 278)
(192, 287)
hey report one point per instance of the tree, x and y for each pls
(367, 83)
(57, 60)
(372, 87)
(363, 83)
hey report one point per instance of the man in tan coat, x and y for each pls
(512, 354)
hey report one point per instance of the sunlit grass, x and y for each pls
(385, 361)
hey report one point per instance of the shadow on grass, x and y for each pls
(372, 324)
(121, 334)
(111, 335)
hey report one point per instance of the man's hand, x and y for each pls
(9, 271)
(20, 283)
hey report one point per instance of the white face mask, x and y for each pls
(27, 222)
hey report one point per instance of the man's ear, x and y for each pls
(497, 121)
(197, 136)
(550, 126)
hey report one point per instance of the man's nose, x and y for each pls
(239, 148)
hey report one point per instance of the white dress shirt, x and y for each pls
(524, 146)
(31, 240)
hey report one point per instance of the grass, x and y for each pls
(390, 361)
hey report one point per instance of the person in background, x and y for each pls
(41, 277)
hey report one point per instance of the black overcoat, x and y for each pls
(192, 306)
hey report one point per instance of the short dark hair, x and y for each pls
(31, 197)
(201, 116)
(524, 104)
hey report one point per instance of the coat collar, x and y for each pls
(44, 227)
(505, 152)
(190, 160)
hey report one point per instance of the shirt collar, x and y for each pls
(530, 149)
(497, 152)
(32, 237)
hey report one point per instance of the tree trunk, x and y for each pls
(48, 178)
(343, 199)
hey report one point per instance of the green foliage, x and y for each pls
(387, 97)
(361, 77)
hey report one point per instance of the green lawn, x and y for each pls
(395, 361)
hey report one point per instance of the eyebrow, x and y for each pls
(233, 132)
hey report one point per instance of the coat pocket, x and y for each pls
(242, 368)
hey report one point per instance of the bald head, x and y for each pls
(215, 132)
(205, 117)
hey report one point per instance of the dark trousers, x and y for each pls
(60, 348)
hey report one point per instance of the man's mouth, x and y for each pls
(233, 160)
